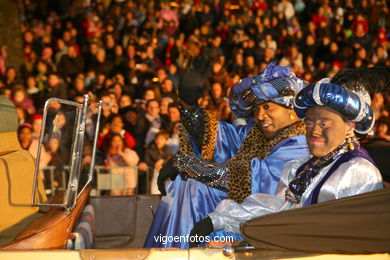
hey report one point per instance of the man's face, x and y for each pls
(272, 117)
(106, 106)
(167, 86)
(149, 94)
(164, 106)
(132, 117)
(325, 130)
(72, 51)
(153, 109)
(53, 80)
(124, 101)
(162, 75)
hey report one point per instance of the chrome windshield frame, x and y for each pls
(71, 193)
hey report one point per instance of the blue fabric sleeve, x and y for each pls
(266, 173)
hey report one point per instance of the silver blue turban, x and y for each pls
(353, 106)
(277, 84)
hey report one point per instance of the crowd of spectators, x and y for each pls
(129, 54)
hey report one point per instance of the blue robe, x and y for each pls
(188, 202)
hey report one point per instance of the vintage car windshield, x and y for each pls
(66, 150)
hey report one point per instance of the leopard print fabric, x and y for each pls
(254, 145)
(209, 138)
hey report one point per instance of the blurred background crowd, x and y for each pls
(129, 54)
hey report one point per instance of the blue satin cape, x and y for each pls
(188, 202)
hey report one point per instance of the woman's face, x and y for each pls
(37, 125)
(204, 102)
(217, 67)
(239, 58)
(117, 124)
(19, 96)
(325, 130)
(11, 73)
(118, 50)
(60, 44)
(61, 120)
(216, 90)
(160, 141)
(31, 82)
(117, 143)
(41, 67)
(25, 135)
(79, 84)
(53, 144)
(176, 128)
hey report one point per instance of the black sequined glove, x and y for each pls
(193, 82)
(191, 87)
(167, 171)
(209, 173)
(201, 229)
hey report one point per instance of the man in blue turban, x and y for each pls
(274, 137)
(337, 167)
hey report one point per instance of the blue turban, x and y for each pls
(346, 102)
(277, 84)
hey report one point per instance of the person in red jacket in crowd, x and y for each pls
(360, 20)
(115, 125)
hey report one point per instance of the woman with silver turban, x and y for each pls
(336, 168)
(352, 105)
